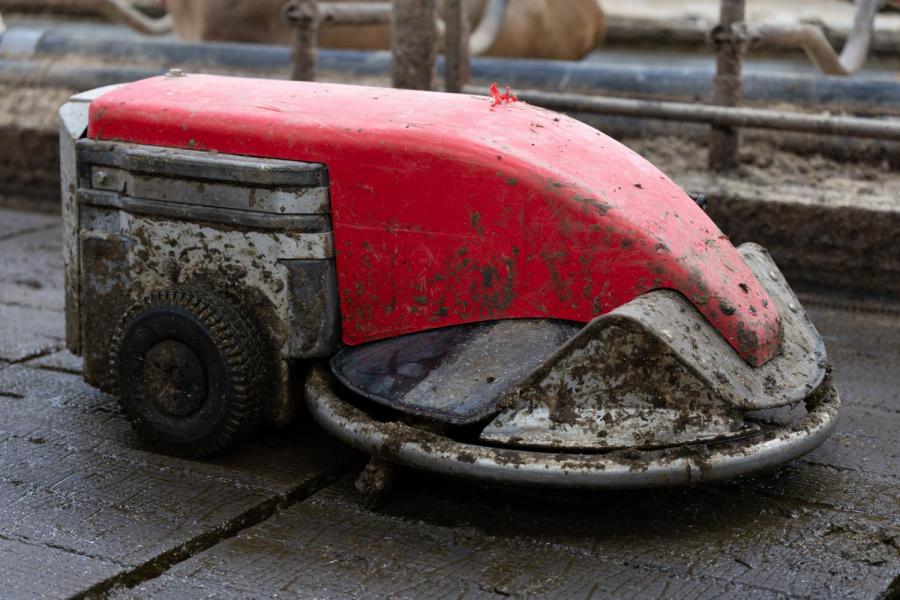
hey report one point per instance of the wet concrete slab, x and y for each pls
(74, 482)
(32, 296)
(63, 361)
(824, 526)
(82, 500)
(32, 324)
(437, 540)
(28, 332)
(14, 223)
(24, 567)
(863, 344)
(410, 551)
(33, 259)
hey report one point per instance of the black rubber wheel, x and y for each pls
(190, 369)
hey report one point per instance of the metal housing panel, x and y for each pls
(157, 218)
(275, 200)
(314, 319)
(105, 281)
(311, 227)
(73, 119)
(192, 164)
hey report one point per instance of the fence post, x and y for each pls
(456, 46)
(304, 16)
(725, 141)
(413, 44)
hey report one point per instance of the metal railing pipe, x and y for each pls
(721, 116)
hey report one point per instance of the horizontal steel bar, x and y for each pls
(364, 13)
(194, 164)
(255, 199)
(155, 55)
(881, 129)
(310, 227)
(84, 78)
(337, 13)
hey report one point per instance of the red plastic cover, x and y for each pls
(448, 210)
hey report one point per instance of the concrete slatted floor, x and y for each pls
(85, 511)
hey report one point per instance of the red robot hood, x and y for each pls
(448, 209)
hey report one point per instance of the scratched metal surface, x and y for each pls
(83, 509)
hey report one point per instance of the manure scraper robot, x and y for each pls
(482, 289)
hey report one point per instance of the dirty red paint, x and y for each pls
(446, 213)
(504, 98)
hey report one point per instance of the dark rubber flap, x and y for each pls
(455, 375)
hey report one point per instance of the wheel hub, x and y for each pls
(175, 378)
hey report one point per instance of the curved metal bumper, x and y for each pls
(631, 469)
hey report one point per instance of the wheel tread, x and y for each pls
(237, 337)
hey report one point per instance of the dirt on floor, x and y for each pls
(29, 161)
(826, 222)
(812, 178)
(30, 107)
